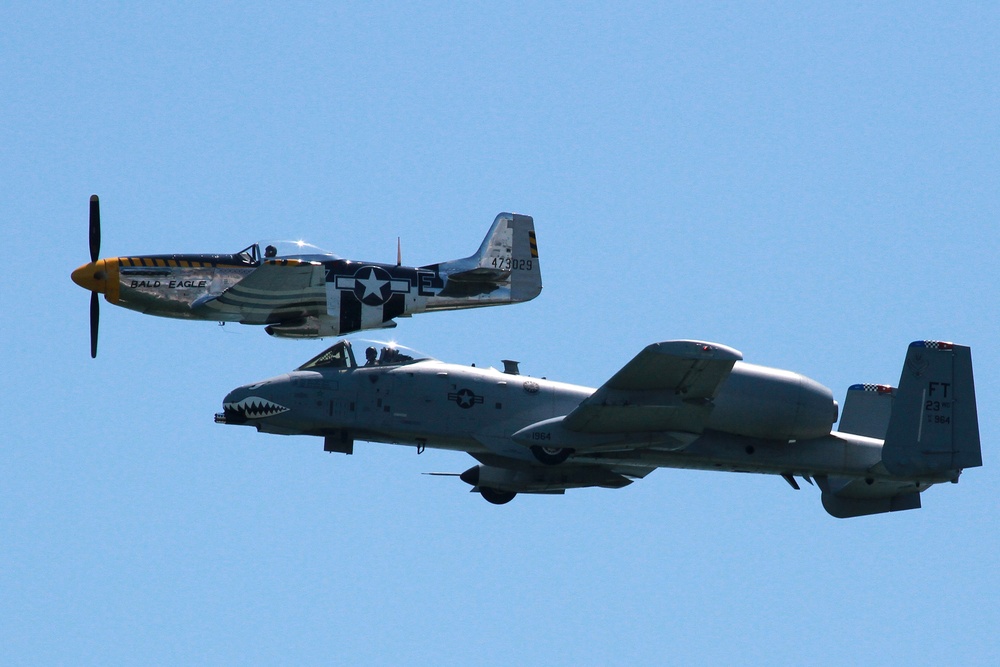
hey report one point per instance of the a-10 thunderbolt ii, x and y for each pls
(298, 290)
(677, 404)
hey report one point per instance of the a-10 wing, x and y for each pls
(662, 397)
(668, 387)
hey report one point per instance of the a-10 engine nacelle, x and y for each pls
(753, 401)
(772, 404)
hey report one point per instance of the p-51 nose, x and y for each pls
(100, 276)
(92, 276)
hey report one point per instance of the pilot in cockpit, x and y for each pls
(370, 355)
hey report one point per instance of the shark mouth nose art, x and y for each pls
(254, 407)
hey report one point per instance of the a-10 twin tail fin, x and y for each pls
(929, 425)
(934, 427)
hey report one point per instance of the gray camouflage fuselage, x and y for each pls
(761, 420)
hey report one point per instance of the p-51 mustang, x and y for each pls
(677, 404)
(298, 290)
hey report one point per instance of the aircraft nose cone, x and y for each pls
(252, 402)
(92, 276)
(235, 396)
(231, 412)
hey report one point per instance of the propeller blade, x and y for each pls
(95, 316)
(95, 228)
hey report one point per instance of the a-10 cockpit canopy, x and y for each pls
(253, 254)
(341, 356)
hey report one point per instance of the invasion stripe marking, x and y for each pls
(228, 300)
(266, 302)
(251, 292)
(273, 298)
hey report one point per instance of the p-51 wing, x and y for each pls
(661, 397)
(278, 290)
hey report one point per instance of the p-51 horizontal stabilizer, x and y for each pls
(507, 257)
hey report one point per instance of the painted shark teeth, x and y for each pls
(255, 407)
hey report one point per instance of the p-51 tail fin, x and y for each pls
(934, 426)
(505, 269)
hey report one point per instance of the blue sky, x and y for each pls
(812, 184)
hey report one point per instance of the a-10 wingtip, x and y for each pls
(696, 349)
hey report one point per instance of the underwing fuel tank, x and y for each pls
(761, 402)
(542, 479)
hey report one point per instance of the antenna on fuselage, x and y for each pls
(399, 252)
(511, 367)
